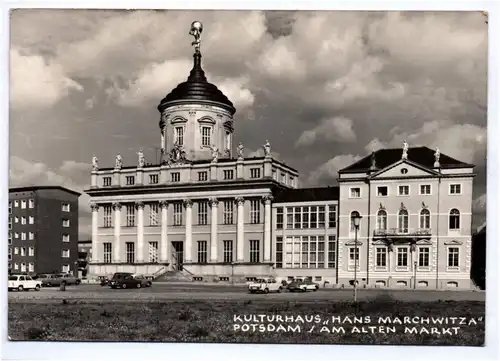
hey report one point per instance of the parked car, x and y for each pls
(58, 279)
(23, 283)
(145, 282)
(124, 280)
(264, 285)
(303, 286)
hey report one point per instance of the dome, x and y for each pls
(196, 88)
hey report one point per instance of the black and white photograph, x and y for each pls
(247, 176)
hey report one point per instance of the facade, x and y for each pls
(211, 213)
(43, 230)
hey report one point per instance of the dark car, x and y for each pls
(145, 282)
(294, 286)
(124, 280)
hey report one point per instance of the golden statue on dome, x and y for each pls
(196, 30)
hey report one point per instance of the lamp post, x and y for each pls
(356, 219)
(232, 273)
(414, 274)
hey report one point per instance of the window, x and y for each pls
(202, 213)
(65, 268)
(65, 207)
(255, 211)
(106, 181)
(65, 253)
(23, 269)
(382, 191)
(292, 181)
(354, 214)
(16, 235)
(31, 220)
(202, 176)
(10, 222)
(108, 211)
(153, 214)
(10, 265)
(31, 236)
(275, 175)
(31, 203)
(425, 189)
(228, 212)
(153, 179)
(130, 215)
(453, 260)
(425, 219)
(404, 190)
(153, 252)
(381, 256)
(65, 238)
(31, 267)
(305, 217)
(202, 252)
(423, 256)
(332, 217)
(107, 252)
(228, 251)
(179, 135)
(23, 204)
(279, 218)
(65, 223)
(23, 220)
(403, 221)
(254, 251)
(454, 222)
(16, 266)
(332, 250)
(23, 251)
(16, 219)
(279, 252)
(283, 178)
(178, 214)
(402, 254)
(228, 174)
(455, 189)
(353, 257)
(130, 252)
(382, 220)
(10, 207)
(304, 252)
(23, 236)
(175, 177)
(355, 192)
(10, 238)
(255, 173)
(205, 136)
(16, 204)
(130, 180)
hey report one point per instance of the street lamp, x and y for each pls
(232, 273)
(414, 274)
(356, 219)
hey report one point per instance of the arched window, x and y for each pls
(425, 219)
(353, 215)
(455, 219)
(403, 221)
(382, 220)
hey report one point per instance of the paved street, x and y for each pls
(172, 291)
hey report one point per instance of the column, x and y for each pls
(164, 245)
(140, 231)
(188, 247)
(214, 239)
(95, 224)
(116, 244)
(267, 228)
(240, 235)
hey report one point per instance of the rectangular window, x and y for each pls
(228, 174)
(16, 235)
(332, 250)
(255, 173)
(355, 192)
(65, 238)
(228, 251)
(153, 214)
(353, 257)
(130, 215)
(292, 181)
(289, 218)
(23, 204)
(203, 213)
(228, 212)
(453, 259)
(107, 252)
(305, 217)
(202, 252)
(254, 251)
(10, 207)
(23, 236)
(130, 252)
(31, 203)
(65, 207)
(65, 253)
(23, 251)
(31, 236)
(16, 204)
(175, 177)
(106, 181)
(31, 220)
(23, 220)
(10, 222)
(130, 180)
(179, 135)
(402, 257)
(455, 189)
(16, 219)
(279, 252)
(153, 179)
(10, 238)
(178, 214)
(65, 223)
(16, 250)
(382, 191)
(255, 211)
(332, 217)
(153, 252)
(423, 256)
(65, 268)
(107, 214)
(403, 190)
(205, 136)
(381, 256)
(16, 266)
(275, 175)
(321, 217)
(279, 218)
(283, 178)
(31, 267)
(202, 176)
(425, 189)
(297, 217)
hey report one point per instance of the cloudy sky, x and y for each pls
(325, 88)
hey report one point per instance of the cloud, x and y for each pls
(330, 129)
(327, 173)
(479, 204)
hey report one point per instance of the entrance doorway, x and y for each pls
(177, 255)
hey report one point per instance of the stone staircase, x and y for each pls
(175, 276)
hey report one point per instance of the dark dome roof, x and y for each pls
(196, 88)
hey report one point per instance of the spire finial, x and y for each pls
(196, 30)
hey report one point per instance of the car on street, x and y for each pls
(264, 285)
(124, 280)
(302, 286)
(60, 278)
(23, 283)
(145, 282)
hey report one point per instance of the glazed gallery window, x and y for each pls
(382, 220)
(202, 213)
(178, 214)
(206, 136)
(279, 252)
(381, 256)
(402, 255)
(202, 252)
(423, 256)
(153, 251)
(354, 214)
(403, 221)
(130, 215)
(305, 252)
(107, 248)
(332, 217)
(305, 217)
(228, 251)
(255, 211)
(107, 216)
(228, 212)
(425, 219)
(153, 214)
(130, 252)
(453, 259)
(454, 222)
(332, 251)
(179, 136)
(279, 218)
(254, 251)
